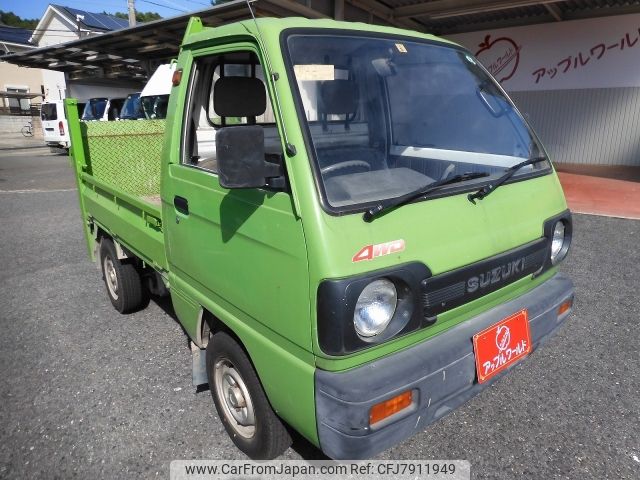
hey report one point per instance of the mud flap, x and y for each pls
(199, 363)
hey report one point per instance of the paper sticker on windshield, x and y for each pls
(314, 72)
(373, 251)
(401, 48)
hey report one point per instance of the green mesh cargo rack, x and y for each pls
(125, 154)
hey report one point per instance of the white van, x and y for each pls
(155, 95)
(54, 125)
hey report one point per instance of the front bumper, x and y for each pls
(440, 370)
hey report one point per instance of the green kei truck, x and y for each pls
(357, 228)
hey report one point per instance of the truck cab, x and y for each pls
(356, 226)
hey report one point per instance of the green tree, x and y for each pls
(140, 16)
(13, 20)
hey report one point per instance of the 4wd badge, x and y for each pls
(372, 251)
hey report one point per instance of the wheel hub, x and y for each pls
(235, 400)
(110, 277)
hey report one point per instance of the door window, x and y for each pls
(203, 118)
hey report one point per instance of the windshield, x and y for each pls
(155, 106)
(388, 116)
(132, 108)
(94, 109)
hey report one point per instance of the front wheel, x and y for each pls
(26, 131)
(241, 402)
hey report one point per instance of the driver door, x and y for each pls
(244, 249)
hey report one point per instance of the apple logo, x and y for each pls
(500, 56)
(503, 337)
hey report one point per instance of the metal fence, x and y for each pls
(33, 111)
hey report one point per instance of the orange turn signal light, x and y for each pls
(177, 77)
(385, 409)
(565, 306)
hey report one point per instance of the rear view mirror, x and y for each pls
(491, 100)
(241, 157)
(384, 67)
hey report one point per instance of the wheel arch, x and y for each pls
(292, 394)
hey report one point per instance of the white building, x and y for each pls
(577, 81)
(61, 24)
(18, 85)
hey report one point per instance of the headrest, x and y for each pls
(338, 97)
(239, 97)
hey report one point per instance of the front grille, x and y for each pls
(457, 287)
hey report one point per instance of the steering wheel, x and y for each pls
(357, 164)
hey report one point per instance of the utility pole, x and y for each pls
(132, 12)
(79, 18)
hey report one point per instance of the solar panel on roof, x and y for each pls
(15, 35)
(100, 21)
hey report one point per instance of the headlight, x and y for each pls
(375, 308)
(557, 241)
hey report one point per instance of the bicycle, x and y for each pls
(27, 130)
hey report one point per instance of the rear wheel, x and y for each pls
(241, 402)
(124, 285)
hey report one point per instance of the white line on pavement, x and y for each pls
(35, 190)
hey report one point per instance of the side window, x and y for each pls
(49, 112)
(208, 112)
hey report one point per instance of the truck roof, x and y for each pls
(270, 29)
(160, 81)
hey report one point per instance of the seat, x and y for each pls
(243, 97)
(240, 97)
(340, 97)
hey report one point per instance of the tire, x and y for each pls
(26, 131)
(266, 437)
(123, 282)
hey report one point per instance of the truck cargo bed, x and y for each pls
(118, 173)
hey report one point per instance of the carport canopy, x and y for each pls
(133, 53)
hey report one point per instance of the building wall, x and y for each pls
(55, 30)
(84, 91)
(598, 126)
(11, 125)
(55, 86)
(577, 81)
(13, 76)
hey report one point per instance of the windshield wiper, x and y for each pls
(376, 211)
(509, 172)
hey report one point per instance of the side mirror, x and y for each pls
(241, 157)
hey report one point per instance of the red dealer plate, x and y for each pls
(502, 345)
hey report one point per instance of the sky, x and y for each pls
(166, 8)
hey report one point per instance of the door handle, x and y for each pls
(181, 204)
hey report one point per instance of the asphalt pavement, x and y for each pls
(89, 393)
